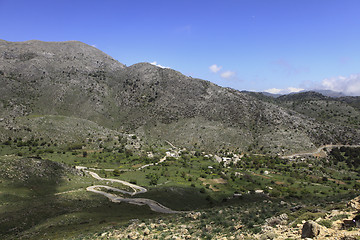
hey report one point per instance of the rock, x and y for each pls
(278, 220)
(268, 236)
(310, 229)
(183, 231)
(355, 203)
(146, 231)
(133, 235)
(238, 226)
(194, 215)
(349, 238)
(208, 228)
(295, 208)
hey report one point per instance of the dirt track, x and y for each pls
(154, 206)
(317, 151)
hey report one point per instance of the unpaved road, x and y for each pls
(152, 164)
(317, 151)
(154, 206)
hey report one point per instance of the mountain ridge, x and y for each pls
(77, 80)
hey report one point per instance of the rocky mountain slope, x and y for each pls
(77, 80)
(341, 111)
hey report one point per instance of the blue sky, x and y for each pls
(274, 45)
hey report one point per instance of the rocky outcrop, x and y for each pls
(355, 203)
(277, 220)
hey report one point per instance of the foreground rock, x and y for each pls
(310, 229)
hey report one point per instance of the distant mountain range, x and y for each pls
(327, 93)
(73, 79)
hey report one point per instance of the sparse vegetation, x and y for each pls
(225, 170)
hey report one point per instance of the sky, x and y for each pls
(278, 46)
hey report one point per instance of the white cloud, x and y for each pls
(158, 65)
(283, 91)
(93, 45)
(215, 68)
(227, 74)
(348, 85)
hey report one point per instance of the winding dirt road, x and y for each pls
(154, 206)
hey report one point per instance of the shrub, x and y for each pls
(326, 223)
(340, 216)
(75, 146)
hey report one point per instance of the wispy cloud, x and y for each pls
(227, 74)
(158, 65)
(284, 91)
(215, 68)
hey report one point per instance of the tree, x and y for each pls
(154, 177)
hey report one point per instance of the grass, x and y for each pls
(179, 198)
(60, 198)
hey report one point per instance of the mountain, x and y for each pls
(337, 110)
(327, 93)
(76, 80)
(271, 94)
(330, 93)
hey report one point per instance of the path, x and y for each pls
(170, 144)
(154, 206)
(318, 150)
(152, 164)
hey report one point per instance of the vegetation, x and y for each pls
(192, 181)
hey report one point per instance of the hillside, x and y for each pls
(76, 80)
(341, 110)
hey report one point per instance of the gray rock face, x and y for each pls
(310, 229)
(277, 220)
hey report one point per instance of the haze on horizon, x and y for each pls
(277, 46)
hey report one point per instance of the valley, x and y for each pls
(202, 185)
(93, 149)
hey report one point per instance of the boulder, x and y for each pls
(310, 229)
(146, 231)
